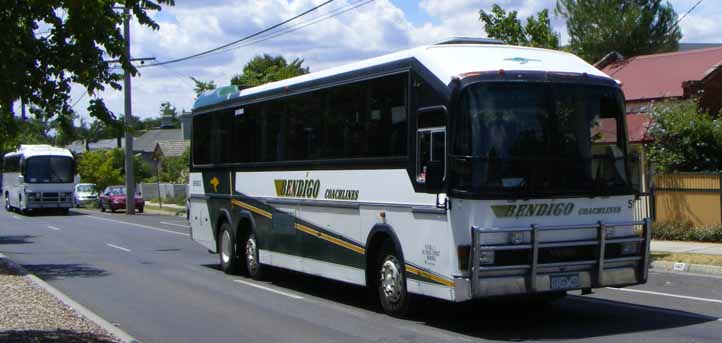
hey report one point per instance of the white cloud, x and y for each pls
(374, 29)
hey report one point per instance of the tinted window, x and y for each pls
(202, 139)
(359, 120)
(49, 169)
(222, 137)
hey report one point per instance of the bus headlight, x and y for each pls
(486, 257)
(629, 248)
(516, 237)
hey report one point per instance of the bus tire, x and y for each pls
(252, 265)
(391, 281)
(227, 249)
(7, 203)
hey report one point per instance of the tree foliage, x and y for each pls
(30, 131)
(175, 169)
(685, 138)
(202, 86)
(267, 68)
(505, 26)
(49, 45)
(630, 27)
(106, 168)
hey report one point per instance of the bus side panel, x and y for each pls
(200, 220)
(10, 186)
(427, 245)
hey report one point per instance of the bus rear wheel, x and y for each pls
(252, 264)
(391, 282)
(227, 250)
(7, 203)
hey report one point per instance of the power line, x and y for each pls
(81, 98)
(685, 14)
(299, 26)
(239, 40)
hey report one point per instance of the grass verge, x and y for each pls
(714, 260)
(170, 211)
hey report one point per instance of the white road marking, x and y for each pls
(53, 228)
(117, 247)
(268, 289)
(667, 295)
(648, 308)
(173, 224)
(139, 225)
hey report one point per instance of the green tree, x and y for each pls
(49, 45)
(202, 86)
(30, 131)
(106, 168)
(175, 169)
(686, 139)
(505, 26)
(630, 27)
(169, 114)
(267, 68)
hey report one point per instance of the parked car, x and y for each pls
(113, 198)
(85, 193)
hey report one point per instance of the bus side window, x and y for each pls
(430, 145)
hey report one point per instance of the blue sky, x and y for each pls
(377, 28)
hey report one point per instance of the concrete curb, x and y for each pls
(678, 267)
(84, 311)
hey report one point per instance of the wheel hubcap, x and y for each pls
(251, 254)
(391, 279)
(226, 247)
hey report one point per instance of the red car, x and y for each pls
(113, 198)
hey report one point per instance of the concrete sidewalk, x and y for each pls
(687, 247)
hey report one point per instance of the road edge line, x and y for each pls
(82, 310)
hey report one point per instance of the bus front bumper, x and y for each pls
(49, 200)
(604, 269)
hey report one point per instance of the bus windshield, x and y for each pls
(527, 139)
(49, 169)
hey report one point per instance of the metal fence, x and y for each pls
(167, 191)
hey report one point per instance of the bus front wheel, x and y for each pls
(227, 250)
(7, 203)
(391, 282)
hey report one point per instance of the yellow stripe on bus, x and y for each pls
(252, 208)
(416, 271)
(328, 238)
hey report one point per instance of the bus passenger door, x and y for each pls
(431, 148)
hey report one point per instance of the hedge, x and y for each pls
(685, 231)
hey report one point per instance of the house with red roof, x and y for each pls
(648, 79)
(674, 75)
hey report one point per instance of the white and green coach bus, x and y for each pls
(459, 170)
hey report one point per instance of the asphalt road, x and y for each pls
(146, 275)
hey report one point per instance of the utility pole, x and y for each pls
(129, 174)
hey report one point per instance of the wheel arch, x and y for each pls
(224, 216)
(244, 224)
(378, 234)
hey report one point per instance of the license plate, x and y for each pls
(566, 281)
